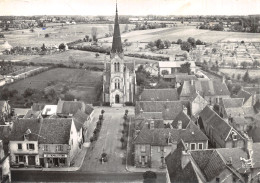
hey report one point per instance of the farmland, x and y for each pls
(81, 83)
(184, 32)
(57, 34)
(230, 72)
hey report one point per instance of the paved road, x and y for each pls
(108, 142)
(39, 176)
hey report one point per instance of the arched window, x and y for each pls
(117, 83)
(118, 67)
(115, 67)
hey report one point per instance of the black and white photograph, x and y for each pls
(130, 91)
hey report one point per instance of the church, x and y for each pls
(119, 78)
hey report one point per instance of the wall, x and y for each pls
(73, 141)
(198, 105)
(156, 156)
(225, 176)
(13, 145)
(138, 153)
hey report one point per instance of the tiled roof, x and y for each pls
(240, 120)
(219, 126)
(149, 115)
(256, 155)
(37, 106)
(55, 131)
(88, 109)
(252, 90)
(160, 136)
(169, 109)
(159, 95)
(130, 66)
(205, 88)
(255, 134)
(232, 102)
(32, 114)
(79, 119)
(174, 167)
(146, 123)
(21, 126)
(183, 117)
(243, 94)
(180, 78)
(69, 107)
(241, 111)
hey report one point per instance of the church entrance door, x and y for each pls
(117, 99)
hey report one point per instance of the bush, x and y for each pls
(47, 35)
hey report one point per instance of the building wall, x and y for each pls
(157, 152)
(212, 99)
(139, 153)
(73, 141)
(6, 168)
(13, 146)
(249, 102)
(198, 105)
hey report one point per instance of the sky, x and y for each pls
(129, 7)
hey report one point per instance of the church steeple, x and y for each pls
(117, 44)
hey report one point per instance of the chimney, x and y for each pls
(179, 127)
(185, 158)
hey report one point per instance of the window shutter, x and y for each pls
(140, 159)
(164, 149)
(159, 148)
(27, 146)
(146, 159)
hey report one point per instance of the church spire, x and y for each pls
(117, 44)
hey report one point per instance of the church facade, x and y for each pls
(119, 78)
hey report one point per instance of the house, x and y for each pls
(5, 110)
(23, 144)
(152, 145)
(213, 165)
(173, 67)
(159, 95)
(210, 90)
(49, 110)
(250, 97)
(169, 109)
(5, 173)
(70, 108)
(59, 142)
(82, 122)
(220, 133)
(181, 121)
(180, 78)
(230, 106)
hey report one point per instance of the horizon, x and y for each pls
(129, 8)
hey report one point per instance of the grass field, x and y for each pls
(184, 32)
(230, 72)
(80, 82)
(58, 34)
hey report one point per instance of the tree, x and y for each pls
(46, 35)
(246, 77)
(150, 44)
(233, 76)
(43, 48)
(97, 55)
(218, 27)
(32, 30)
(256, 64)
(94, 33)
(87, 38)
(199, 42)
(28, 92)
(179, 41)
(159, 44)
(149, 177)
(244, 64)
(126, 27)
(62, 46)
(214, 50)
(167, 43)
(186, 46)
(192, 42)
(165, 72)
(2, 35)
(238, 76)
(185, 68)
(185, 55)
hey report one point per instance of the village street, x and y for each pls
(108, 142)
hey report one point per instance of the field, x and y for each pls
(230, 72)
(184, 32)
(80, 82)
(58, 34)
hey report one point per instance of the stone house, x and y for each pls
(153, 145)
(219, 132)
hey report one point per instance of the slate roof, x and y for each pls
(149, 115)
(205, 88)
(159, 136)
(231, 102)
(21, 126)
(169, 109)
(255, 134)
(79, 119)
(256, 155)
(159, 95)
(183, 117)
(88, 109)
(158, 123)
(55, 131)
(176, 173)
(252, 90)
(69, 107)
